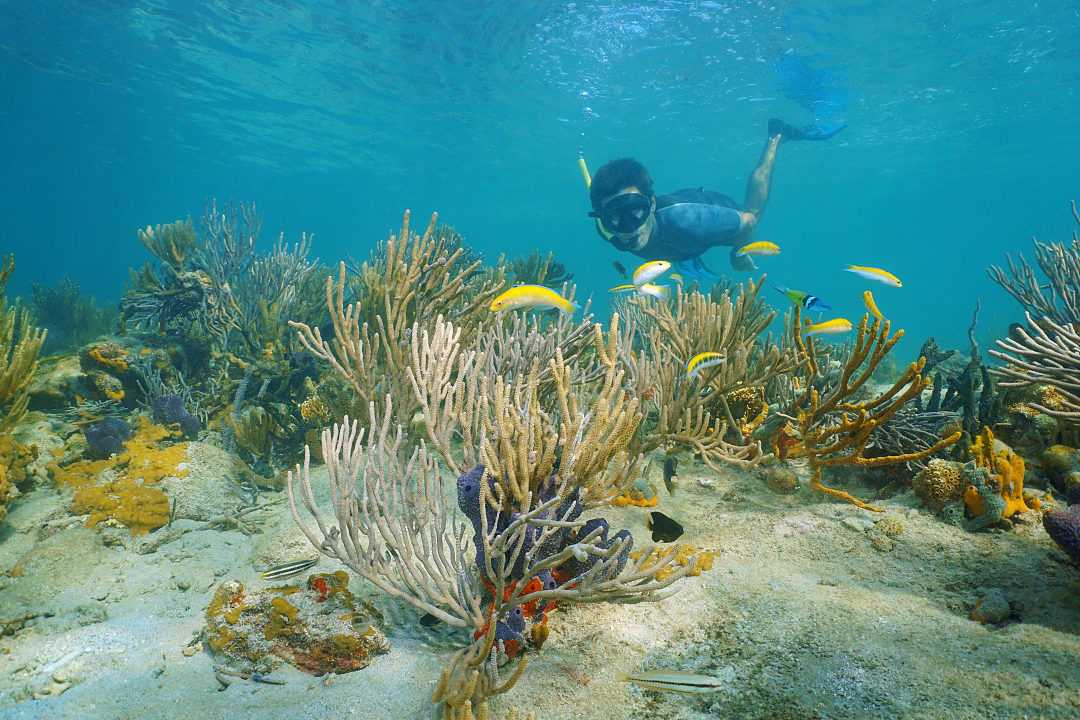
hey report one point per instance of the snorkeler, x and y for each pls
(681, 226)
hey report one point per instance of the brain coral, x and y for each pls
(939, 483)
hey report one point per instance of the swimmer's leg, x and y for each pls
(757, 187)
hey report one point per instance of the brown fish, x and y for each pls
(620, 269)
(671, 465)
(664, 529)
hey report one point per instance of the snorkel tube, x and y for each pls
(587, 178)
(584, 170)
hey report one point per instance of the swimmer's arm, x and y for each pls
(747, 223)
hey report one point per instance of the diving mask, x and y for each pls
(624, 214)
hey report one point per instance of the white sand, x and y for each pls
(801, 615)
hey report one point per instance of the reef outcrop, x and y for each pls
(316, 627)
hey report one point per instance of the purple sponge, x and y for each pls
(1063, 527)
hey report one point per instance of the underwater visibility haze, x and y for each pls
(553, 360)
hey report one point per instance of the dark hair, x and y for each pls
(618, 175)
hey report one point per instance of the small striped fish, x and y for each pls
(294, 567)
(836, 326)
(647, 272)
(676, 681)
(660, 292)
(761, 247)
(876, 274)
(703, 360)
(530, 296)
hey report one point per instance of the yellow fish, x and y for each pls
(836, 326)
(761, 247)
(530, 296)
(647, 272)
(661, 292)
(868, 300)
(873, 273)
(703, 360)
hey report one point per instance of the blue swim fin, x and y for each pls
(695, 269)
(814, 131)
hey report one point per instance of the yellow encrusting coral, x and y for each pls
(635, 497)
(1006, 470)
(682, 555)
(108, 356)
(127, 494)
(139, 508)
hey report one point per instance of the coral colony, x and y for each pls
(471, 455)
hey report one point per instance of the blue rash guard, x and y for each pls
(689, 222)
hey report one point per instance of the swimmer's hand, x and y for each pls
(747, 222)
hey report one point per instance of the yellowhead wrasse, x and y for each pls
(761, 247)
(676, 681)
(703, 360)
(868, 300)
(876, 274)
(836, 326)
(647, 272)
(294, 567)
(530, 296)
(661, 292)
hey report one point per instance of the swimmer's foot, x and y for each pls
(809, 132)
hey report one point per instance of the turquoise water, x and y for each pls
(333, 117)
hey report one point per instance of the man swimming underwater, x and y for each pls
(681, 226)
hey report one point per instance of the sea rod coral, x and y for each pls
(409, 277)
(713, 414)
(19, 347)
(526, 476)
(835, 427)
(1056, 296)
(1044, 353)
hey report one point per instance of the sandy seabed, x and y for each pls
(810, 611)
